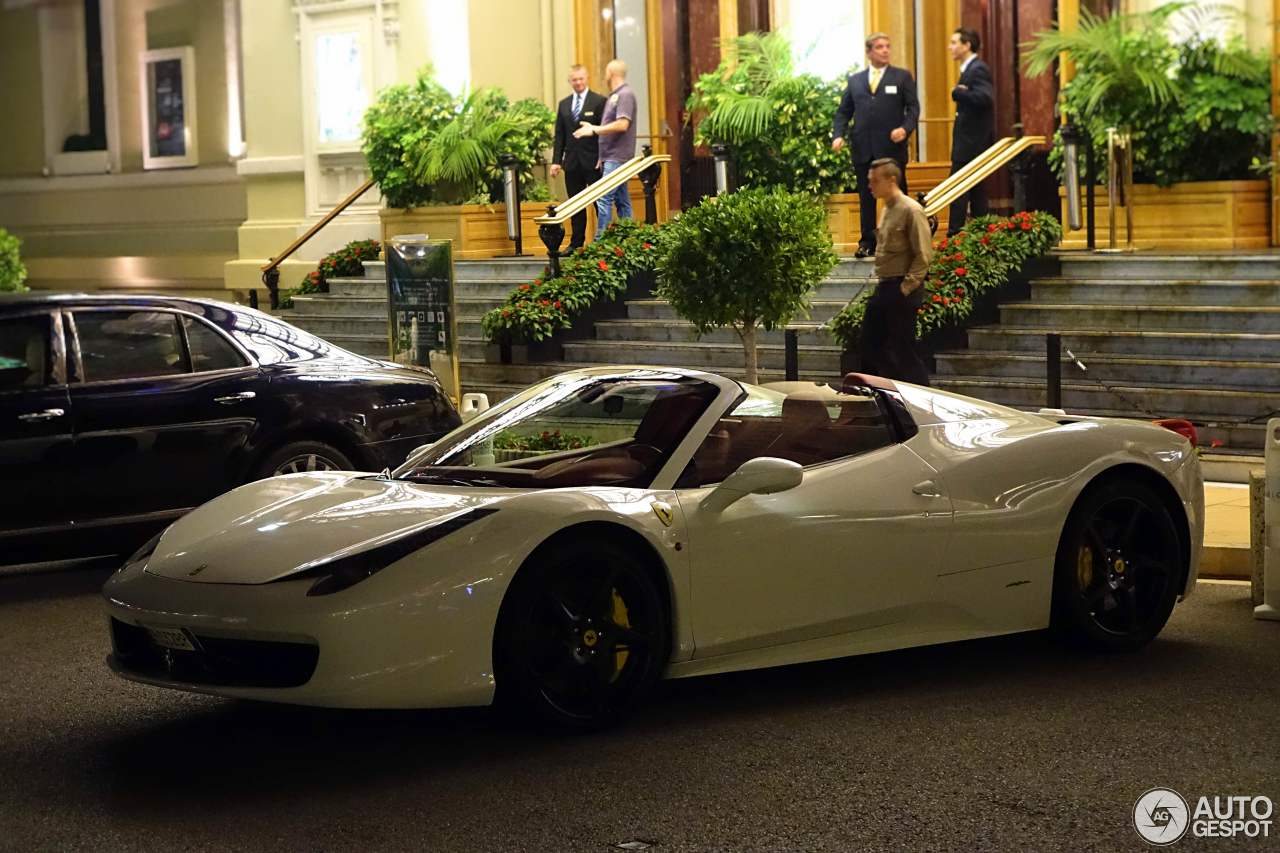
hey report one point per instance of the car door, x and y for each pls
(855, 547)
(163, 407)
(35, 431)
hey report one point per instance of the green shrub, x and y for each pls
(1198, 111)
(12, 271)
(746, 260)
(777, 123)
(347, 262)
(597, 272)
(402, 120)
(977, 260)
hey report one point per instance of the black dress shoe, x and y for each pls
(865, 252)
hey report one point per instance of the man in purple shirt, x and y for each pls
(617, 132)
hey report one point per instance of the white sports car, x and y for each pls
(612, 526)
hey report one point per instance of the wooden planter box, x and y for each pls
(478, 231)
(1192, 216)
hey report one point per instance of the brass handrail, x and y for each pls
(936, 202)
(968, 168)
(558, 214)
(271, 272)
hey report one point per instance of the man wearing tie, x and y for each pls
(881, 100)
(577, 156)
(975, 128)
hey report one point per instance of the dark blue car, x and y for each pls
(120, 413)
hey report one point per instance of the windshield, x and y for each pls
(572, 430)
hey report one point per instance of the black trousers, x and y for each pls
(889, 334)
(575, 181)
(973, 203)
(867, 202)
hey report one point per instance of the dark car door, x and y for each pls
(163, 411)
(35, 431)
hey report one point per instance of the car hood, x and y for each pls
(268, 530)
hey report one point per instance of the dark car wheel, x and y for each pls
(1119, 568)
(299, 456)
(582, 636)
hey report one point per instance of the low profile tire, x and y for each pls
(582, 637)
(1119, 568)
(299, 456)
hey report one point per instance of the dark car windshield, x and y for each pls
(572, 430)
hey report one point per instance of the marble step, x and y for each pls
(1182, 292)
(1153, 266)
(1113, 369)
(660, 309)
(808, 334)
(325, 304)
(1227, 318)
(1182, 344)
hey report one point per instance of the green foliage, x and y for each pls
(975, 261)
(746, 259)
(404, 119)
(597, 272)
(424, 146)
(12, 271)
(778, 123)
(546, 440)
(1198, 110)
(347, 262)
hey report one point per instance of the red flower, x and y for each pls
(943, 243)
(1026, 225)
(937, 298)
(506, 312)
(986, 241)
(601, 264)
(961, 271)
(648, 245)
(958, 256)
(544, 302)
(958, 238)
(558, 305)
(537, 281)
(959, 291)
(524, 287)
(993, 227)
(617, 250)
(946, 301)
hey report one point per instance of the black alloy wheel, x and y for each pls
(581, 637)
(302, 456)
(1119, 568)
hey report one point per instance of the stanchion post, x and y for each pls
(791, 342)
(1053, 370)
(552, 236)
(1270, 607)
(720, 152)
(511, 197)
(649, 180)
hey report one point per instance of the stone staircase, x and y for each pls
(1173, 336)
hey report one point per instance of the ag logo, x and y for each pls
(1161, 816)
(197, 570)
(664, 513)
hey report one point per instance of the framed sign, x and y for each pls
(169, 108)
(423, 311)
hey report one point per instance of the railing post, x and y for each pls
(271, 278)
(649, 180)
(791, 345)
(552, 236)
(511, 196)
(1053, 370)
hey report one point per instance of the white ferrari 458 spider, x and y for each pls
(612, 526)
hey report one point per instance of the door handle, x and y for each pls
(38, 417)
(927, 489)
(232, 399)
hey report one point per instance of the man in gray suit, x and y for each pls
(882, 103)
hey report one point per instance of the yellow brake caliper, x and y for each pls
(621, 618)
(1084, 568)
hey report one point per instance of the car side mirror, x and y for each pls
(765, 475)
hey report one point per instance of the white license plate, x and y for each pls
(171, 638)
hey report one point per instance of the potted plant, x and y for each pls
(13, 273)
(1200, 116)
(746, 260)
(435, 158)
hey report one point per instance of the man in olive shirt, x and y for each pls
(904, 247)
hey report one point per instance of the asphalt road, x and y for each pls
(1007, 744)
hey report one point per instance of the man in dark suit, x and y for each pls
(881, 100)
(578, 158)
(975, 126)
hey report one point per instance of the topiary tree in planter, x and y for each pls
(746, 260)
(12, 271)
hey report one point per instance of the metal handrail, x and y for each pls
(969, 168)
(271, 271)
(559, 214)
(937, 201)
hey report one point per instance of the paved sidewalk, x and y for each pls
(1226, 533)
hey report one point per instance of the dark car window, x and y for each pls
(24, 352)
(209, 349)
(129, 344)
(806, 430)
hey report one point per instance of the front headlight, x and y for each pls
(142, 553)
(344, 572)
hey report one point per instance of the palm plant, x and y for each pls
(755, 65)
